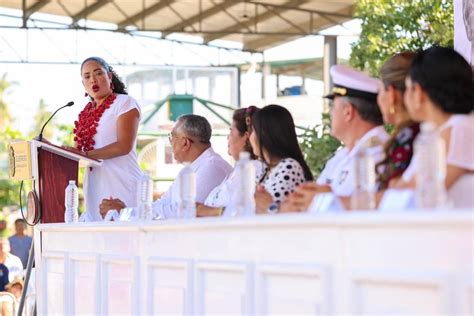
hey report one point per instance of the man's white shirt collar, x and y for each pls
(208, 153)
(378, 131)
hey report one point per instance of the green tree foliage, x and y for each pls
(318, 145)
(39, 119)
(9, 190)
(5, 117)
(64, 135)
(393, 26)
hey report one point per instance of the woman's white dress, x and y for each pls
(116, 177)
(460, 154)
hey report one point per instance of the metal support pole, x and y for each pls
(23, 8)
(29, 266)
(303, 81)
(278, 84)
(330, 58)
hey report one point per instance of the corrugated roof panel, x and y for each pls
(220, 17)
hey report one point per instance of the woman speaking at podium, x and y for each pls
(106, 129)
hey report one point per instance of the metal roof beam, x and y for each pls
(33, 8)
(263, 43)
(198, 17)
(256, 19)
(88, 10)
(319, 12)
(143, 14)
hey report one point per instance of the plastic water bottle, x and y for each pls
(145, 197)
(363, 197)
(187, 189)
(243, 199)
(430, 168)
(71, 202)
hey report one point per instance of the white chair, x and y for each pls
(7, 303)
(148, 157)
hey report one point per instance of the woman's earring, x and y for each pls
(112, 86)
(391, 109)
(86, 94)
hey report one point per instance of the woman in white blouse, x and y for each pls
(237, 142)
(107, 129)
(439, 89)
(274, 141)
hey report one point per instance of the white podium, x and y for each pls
(354, 263)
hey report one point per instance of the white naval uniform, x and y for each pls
(338, 172)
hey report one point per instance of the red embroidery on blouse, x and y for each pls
(86, 126)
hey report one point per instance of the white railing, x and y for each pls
(360, 262)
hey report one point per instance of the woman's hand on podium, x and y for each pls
(110, 204)
(204, 210)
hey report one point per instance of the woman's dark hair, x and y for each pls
(241, 118)
(117, 85)
(275, 131)
(446, 77)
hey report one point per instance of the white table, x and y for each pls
(359, 262)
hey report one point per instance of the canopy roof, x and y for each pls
(258, 24)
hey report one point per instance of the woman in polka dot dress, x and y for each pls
(273, 139)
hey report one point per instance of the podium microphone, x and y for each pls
(40, 136)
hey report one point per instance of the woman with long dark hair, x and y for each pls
(439, 90)
(106, 129)
(274, 141)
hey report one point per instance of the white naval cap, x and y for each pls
(352, 83)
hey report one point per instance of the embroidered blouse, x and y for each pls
(399, 152)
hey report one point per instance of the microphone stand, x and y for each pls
(40, 136)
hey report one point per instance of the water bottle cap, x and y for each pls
(427, 127)
(244, 155)
(72, 181)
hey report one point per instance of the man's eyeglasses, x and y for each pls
(171, 137)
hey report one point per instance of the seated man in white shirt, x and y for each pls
(355, 119)
(190, 142)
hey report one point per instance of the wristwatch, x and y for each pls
(273, 208)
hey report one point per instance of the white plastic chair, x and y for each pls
(9, 299)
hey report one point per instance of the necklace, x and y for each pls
(86, 126)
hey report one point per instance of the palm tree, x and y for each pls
(40, 117)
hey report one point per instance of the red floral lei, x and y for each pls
(86, 127)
